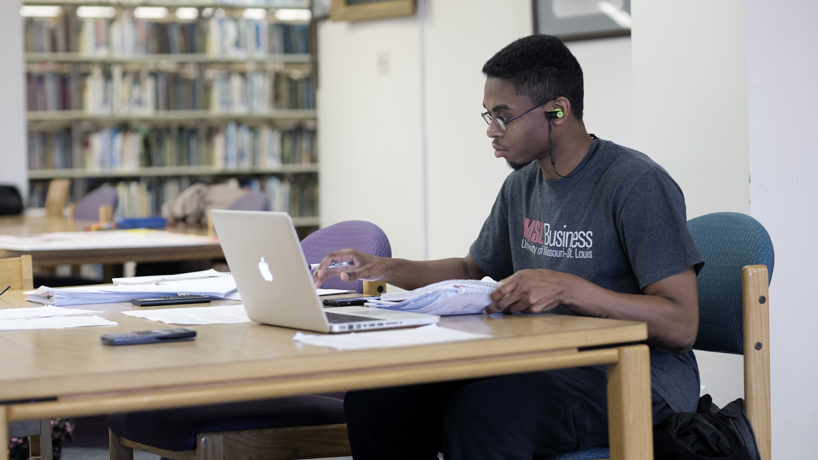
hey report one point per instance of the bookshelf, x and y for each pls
(154, 96)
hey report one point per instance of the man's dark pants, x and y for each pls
(510, 417)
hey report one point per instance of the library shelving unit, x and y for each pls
(154, 96)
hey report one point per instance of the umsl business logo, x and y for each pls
(540, 233)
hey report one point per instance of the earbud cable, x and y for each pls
(554, 161)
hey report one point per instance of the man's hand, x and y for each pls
(529, 291)
(363, 266)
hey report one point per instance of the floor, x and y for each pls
(91, 442)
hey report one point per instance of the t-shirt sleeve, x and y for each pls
(653, 227)
(491, 250)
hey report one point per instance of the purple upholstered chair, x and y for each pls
(268, 425)
(252, 201)
(88, 207)
(356, 234)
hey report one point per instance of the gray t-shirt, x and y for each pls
(618, 220)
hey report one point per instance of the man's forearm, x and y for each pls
(411, 274)
(670, 311)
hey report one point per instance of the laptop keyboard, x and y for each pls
(340, 318)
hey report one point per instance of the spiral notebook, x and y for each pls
(204, 274)
(450, 297)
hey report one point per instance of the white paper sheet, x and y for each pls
(54, 323)
(193, 316)
(39, 312)
(397, 338)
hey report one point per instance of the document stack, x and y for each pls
(217, 286)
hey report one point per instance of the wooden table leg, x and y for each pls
(630, 419)
(4, 434)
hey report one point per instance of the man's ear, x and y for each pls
(560, 111)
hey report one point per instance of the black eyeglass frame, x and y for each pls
(503, 124)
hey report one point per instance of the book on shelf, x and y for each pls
(232, 146)
(112, 90)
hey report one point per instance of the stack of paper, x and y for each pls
(451, 297)
(216, 287)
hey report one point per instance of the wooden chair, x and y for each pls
(734, 310)
(17, 273)
(301, 427)
(56, 197)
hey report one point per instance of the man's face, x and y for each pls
(526, 138)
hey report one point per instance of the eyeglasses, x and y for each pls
(503, 123)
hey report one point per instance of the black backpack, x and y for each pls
(11, 202)
(708, 433)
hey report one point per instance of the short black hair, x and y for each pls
(541, 67)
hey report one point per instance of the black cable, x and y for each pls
(553, 160)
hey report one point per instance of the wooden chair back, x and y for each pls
(57, 196)
(16, 272)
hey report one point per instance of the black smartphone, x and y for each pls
(178, 334)
(348, 302)
(171, 300)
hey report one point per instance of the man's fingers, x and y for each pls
(349, 275)
(492, 308)
(502, 290)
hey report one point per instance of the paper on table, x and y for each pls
(397, 338)
(39, 312)
(227, 314)
(54, 323)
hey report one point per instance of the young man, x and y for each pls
(582, 226)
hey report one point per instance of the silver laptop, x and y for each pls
(275, 283)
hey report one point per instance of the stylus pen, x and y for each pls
(4, 290)
(334, 264)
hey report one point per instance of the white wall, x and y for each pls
(690, 115)
(690, 98)
(369, 139)
(607, 71)
(13, 157)
(784, 168)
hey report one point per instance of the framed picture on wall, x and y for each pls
(320, 9)
(582, 19)
(362, 10)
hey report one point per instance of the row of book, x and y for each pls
(126, 36)
(294, 194)
(142, 92)
(229, 147)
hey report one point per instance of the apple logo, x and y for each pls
(265, 270)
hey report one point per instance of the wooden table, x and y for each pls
(34, 225)
(68, 372)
